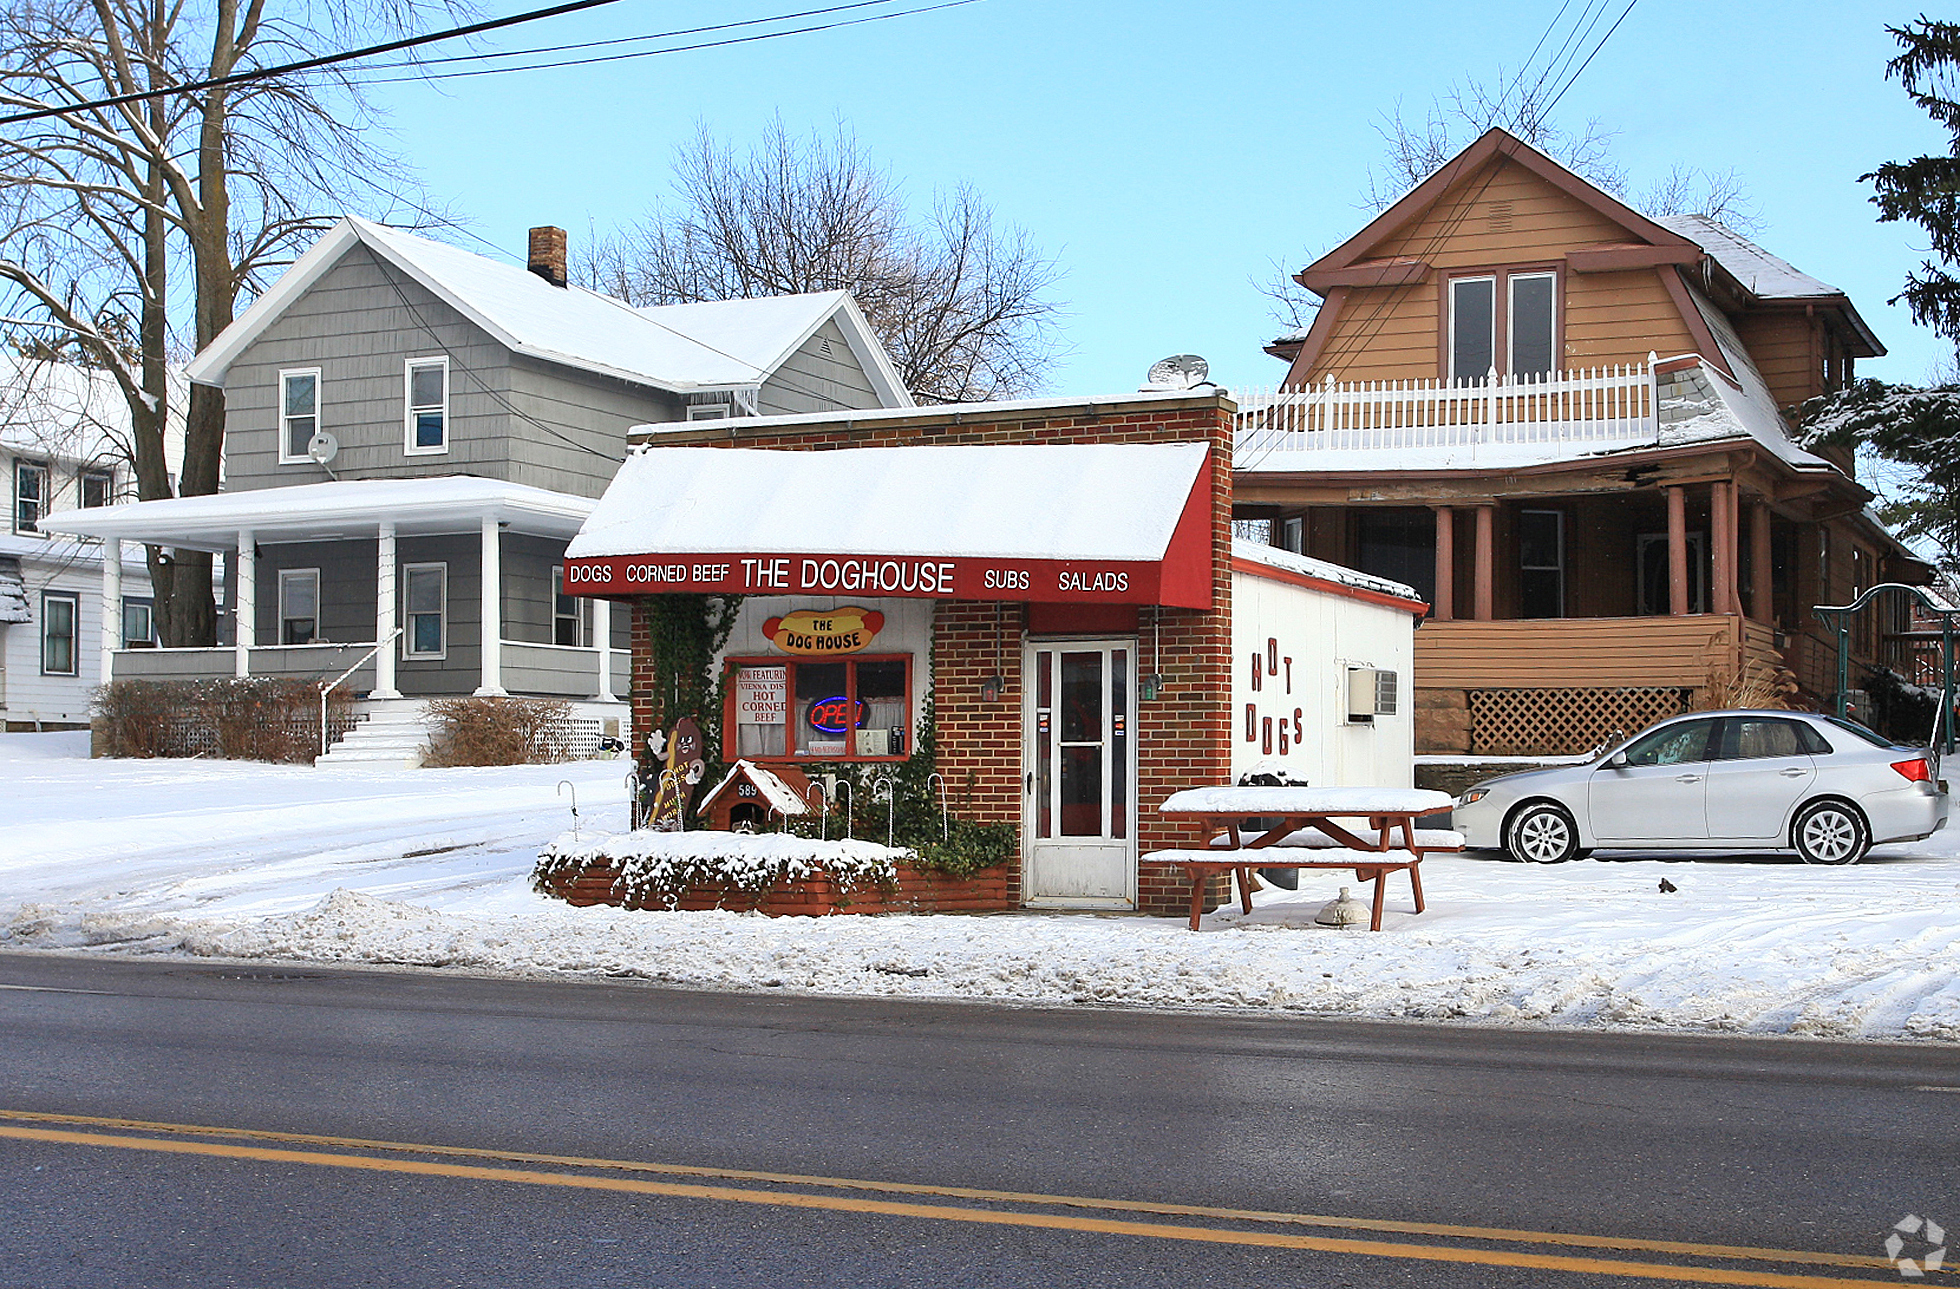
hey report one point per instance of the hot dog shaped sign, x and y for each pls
(825, 631)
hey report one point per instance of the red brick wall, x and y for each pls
(1183, 736)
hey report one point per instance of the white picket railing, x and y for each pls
(1614, 404)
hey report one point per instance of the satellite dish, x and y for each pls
(322, 447)
(1179, 371)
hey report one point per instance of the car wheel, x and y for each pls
(1830, 832)
(1542, 834)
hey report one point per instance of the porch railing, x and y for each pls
(1612, 405)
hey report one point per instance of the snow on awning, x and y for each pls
(13, 592)
(1055, 523)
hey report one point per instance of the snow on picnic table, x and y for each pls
(431, 869)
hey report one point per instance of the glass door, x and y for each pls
(1081, 773)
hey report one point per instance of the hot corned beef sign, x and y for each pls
(936, 578)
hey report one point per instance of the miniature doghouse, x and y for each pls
(748, 795)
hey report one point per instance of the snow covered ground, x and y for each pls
(429, 868)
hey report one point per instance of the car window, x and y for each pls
(1672, 745)
(1750, 738)
(1876, 740)
(1813, 742)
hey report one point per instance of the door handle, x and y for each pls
(1687, 778)
(1794, 772)
(1030, 785)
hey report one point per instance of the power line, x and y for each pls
(677, 49)
(1595, 53)
(307, 64)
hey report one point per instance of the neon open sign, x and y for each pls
(837, 715)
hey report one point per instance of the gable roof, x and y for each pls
(677, 348)
(1494, 145)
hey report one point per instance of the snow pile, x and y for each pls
(431, 869)
(659, 866)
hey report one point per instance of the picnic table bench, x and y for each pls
(1302, 822)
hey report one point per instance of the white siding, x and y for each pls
(1323, 634)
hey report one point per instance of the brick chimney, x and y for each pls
(547, 254)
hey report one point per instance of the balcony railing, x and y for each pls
(1614, 405)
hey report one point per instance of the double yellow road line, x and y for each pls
(1009, 1208)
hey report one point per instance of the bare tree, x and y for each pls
(963, 305)
(137, 227)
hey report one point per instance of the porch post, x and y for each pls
(384, 612)
(1721, 524)
(1761, 589)
(1485, 573)
(111, 605)
(1677, 551)
(492, 630)
(1445, 606)
(602, 640)
(246, 614)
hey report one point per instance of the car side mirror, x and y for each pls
(1617, 761)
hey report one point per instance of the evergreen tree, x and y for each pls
(1926, 190)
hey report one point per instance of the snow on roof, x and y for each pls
(781, 797)
(62, 553)
(324, 511)
(1308, 566)
(1766, 276)
(77, 414)
(1113, 501)
(683, 347)
(13, 591)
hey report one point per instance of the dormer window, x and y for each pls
(30, 496)
(427, 421)
(299, 413)
(1504, 321)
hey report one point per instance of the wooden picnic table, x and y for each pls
(1307, 822)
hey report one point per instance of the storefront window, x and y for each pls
(829, 710)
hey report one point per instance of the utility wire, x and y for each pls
(307, 64)
(1594, 54)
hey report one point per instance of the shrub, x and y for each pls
(251, 718)
(499, 731)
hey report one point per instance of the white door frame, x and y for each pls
(1038, 853)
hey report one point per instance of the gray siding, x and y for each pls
(462, 670)
(528, 587)
(810, 381)
(346, 588)
(557, 673)
(571, 435)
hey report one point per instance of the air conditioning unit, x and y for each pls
(1370, 693)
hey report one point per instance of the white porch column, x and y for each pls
(384, 613)
(602, 640)
(111, 605)
(492, 631)
(246, 614)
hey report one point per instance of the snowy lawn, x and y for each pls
(430, 868)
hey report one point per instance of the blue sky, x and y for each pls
(1166, 154)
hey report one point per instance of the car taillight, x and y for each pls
(1915, 770)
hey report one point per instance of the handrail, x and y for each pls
(329, 688)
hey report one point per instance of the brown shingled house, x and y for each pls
(1568, 425)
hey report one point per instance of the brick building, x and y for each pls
(1058, 577)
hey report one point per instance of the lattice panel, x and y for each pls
(1563, 722)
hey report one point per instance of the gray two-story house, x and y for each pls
(413, 433)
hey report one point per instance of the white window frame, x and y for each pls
(409, 406)
(1454, 375)
(280, 416)
(74, 603)
(108, 478)
(441, 569)
(710, 411)
(289, 575)
(1511, 281)
(22, 468)
(581, 611)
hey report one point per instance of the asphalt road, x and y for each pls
(914, 1144)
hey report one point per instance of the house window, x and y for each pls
(855, 709)
(1541, 564)
(427, 382)
(425, 592)
(1534, 302)
(1653, 574)
(1293, 535)
(59, 611)
(299, 606)
(139, 630)
(1473, 328)
(299, 413)
(1398, 543)
(571, 616)
(30, 496)
(98, 488)
(710, 412)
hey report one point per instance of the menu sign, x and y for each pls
(762, 695)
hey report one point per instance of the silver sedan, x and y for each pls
(1743, 780)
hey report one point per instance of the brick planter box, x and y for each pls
(916, 891)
